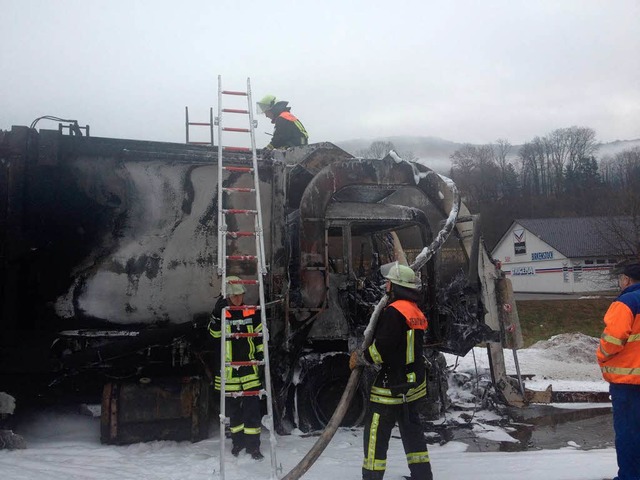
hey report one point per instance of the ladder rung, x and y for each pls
(238, 211)
(234, 110)
(240, 234)
(249, 393)
(248, 363)
(204, 124)
(236, 149)
(242, 257)
(238, 189)
(243, 335)
(199, 143)
(243, 282)
(233, 308)
(231, 92)
(238, 169)
(235, 129)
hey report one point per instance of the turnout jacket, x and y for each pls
(288, 130)
(397, 347)
(237, 349)
(619, 351)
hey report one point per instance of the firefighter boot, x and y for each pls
(236, 449)
(255, 453)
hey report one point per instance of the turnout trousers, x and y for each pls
(377, 431)
(625, 399)
(244, 421)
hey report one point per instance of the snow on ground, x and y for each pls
(567, 362)
(66, 446)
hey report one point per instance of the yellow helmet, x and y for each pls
(266, 104)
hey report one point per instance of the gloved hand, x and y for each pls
(357, 359)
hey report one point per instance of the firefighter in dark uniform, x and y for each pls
(288, 131)
(400, 388)
(244, 412)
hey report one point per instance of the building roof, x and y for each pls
(584, 236)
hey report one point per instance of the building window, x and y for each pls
(600, 261)
(588, 262)
(577, 274)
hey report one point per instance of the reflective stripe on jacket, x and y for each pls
(288, 132)
(239, 349)
(619, 351)
(397, 347)
(292, 118)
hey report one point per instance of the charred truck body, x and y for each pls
(108, 273)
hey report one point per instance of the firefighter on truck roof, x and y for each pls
(288, 131)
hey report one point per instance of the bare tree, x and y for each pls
(623, 221)
(545, 160)
(377, 149)
(474, 170)
(408, 155)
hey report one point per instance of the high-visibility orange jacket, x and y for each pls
(237, 349)
(619, 351)
(397, 348)
(288, 130)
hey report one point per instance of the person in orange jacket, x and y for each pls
(288, 130)
(619, 359)
(399, 391)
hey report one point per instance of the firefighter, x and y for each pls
(244, 411)
(288, 131)
(619, 359)
(399, 390)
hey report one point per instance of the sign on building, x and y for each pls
(519, 243)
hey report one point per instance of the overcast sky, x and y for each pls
(466, 71)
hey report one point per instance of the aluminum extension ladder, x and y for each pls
(257, 256)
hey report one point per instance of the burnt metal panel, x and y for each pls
(387, 174)
(154, 409)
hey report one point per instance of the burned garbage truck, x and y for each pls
(108, 272)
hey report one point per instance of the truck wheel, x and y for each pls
(322, 382)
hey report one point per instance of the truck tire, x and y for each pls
(322, 382)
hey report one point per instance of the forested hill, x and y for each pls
(436, 152)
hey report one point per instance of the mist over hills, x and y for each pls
(436, 152)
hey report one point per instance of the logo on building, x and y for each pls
(523, 271)
(519, 244)
(537, 256)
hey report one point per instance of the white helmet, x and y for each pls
(399, 274)
(234, 288)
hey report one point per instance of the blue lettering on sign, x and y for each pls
(523, 271)
(536, 256)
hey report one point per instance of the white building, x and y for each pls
(562, 255)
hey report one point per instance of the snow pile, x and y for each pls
(570, 347)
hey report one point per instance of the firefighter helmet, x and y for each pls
(266, 104)
(234, 288)
(399, 274)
